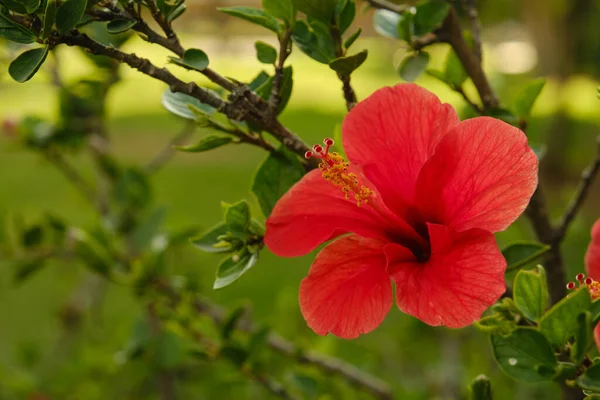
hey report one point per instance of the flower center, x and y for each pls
(592, 286)
(335, 169)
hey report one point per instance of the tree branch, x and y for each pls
(587, 178)
(470, 7)
(349, 94)
(284, 52)
(274, 386)
(73, 176)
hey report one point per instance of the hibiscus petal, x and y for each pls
(597, 336)
(348, 291)
(461, 279)
(482, 175)
(314, 211)
(392, 134)
(592, 256)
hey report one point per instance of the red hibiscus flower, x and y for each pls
(421, 197)
(592, 266)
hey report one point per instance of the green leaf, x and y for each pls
(583, 337)
(237, 216)
(323, 10)
(210, 242)
(527, 97)
(347, 65)
(232, 322)
(120, 25)
(176, 13)
(282, 9)
(496, 324)
(14, 32)
(49, 18)
(275, 176)
(522, 253)
(208, 143)
(69, 14)
(24, 67)
(352, 38)
(287, 84)
(314, 40)
(502, 114)
(254, 15)
(413, 66)
(193, 59)
(481, 388)
(590, 379)
(265, 53)
(386, 23)
(346, 16)
(94, 254)
(522, 353)
(14, 5)
(455, 74)
(177, 103)
(560, 322)
(530, 292)
(235, 354)
(146, 231)
(233, 267)
(430, 15)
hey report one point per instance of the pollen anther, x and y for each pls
(590, 284)
(335, 169)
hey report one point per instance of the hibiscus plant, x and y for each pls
(403, 202)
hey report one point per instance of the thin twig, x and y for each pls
(284, 52)
(587, 178)
(347, 89)
(167, 152)
(474, 106)
(470, 7)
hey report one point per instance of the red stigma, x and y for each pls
(308, 154)
(318, 148)
(580, 277)
(588, 281)
(571, 285)
(328, 142)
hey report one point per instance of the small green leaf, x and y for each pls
(496, 324)
(232, 322)
(209, 240)
(233, 267)
(254, 15)
(237, 216)
(69, 14)
(455, 74)
(347, 65)
(583, 337)
(94, 255)
(24, 67)
(590, 379)
(314, 40)
(27, 269)
(564, 371)
(275, 176)
(282, 9)
(406, 26)
(208, 143)
(519, 254)
(346, 15)
(560, 322)
(386, 23)
(193, 59)
(14, 32)
(176, 13)
(168, 350)
(265, 53)
(49, 18)
(352, 38)
(527, 97)
(502, 114)
(481, 388)
(413, 66)
(235, 354)
(120, 25)
(530, 292)
(522, 353)
(323, 10)
(430, 15)
(178, 103)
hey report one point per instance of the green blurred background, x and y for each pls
(555, 38)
